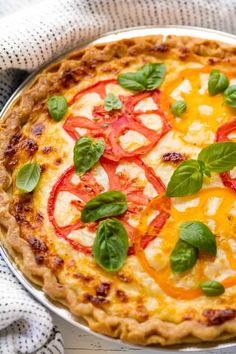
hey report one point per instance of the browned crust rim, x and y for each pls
(68, 70)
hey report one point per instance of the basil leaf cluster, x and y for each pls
(148, 77)
(187, 179)
(111, 245)
(57, 107)
(194, 237)
(28, 177)
(217, 82)
(112, 102)
(87, 152)
(104, 205)
(178, 108)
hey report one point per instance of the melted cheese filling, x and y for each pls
(153, 282)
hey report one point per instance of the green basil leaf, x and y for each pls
(131, 81)
(87, 151)
(219, 157)
(106, 204)
(230, 96)
(217, 82)
(154, 74)
(112, 102)
(178, 108)
(28, 177)
(183, 257)
(148, 77)
(212, 288)
(111, 245)
(198, 235)
(57, 107)
(187, 179)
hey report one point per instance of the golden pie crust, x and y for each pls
(81, 68)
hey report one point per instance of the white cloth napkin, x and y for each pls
(25, 325)
(36, 33)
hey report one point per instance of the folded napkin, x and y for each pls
(33, 33)
(25, 325)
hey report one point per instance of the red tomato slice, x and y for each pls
(112, 125)
(222, 135)
(89, 187)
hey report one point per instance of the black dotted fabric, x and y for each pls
(36, 33)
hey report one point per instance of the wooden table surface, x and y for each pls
(79, 342)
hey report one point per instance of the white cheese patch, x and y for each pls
(205, 110)
(213, 204)
(134, 172)
(155, 255)
(233, 173)
(151, 121)
(101, 176)
(150, 191)
(170, 142)
(219, 269)
(204, 83)
(182, 205)
(213, 181)
(198, 134)
(232, 82)
(232, 136)
(132, 140)
(75, 179)
(211, 224)
(165, 171)
(81, 131)
(116, 89)
(145, 105)
(184, 87)
(65, 212)
(84, 107)
(84, 236)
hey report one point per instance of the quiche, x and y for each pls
(118, 187)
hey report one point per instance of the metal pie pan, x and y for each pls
(36, 291)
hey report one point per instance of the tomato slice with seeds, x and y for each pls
(222, 135)
(112, 125)
(88, 187)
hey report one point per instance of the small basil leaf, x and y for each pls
(87, 151)
(111, 245)
(187, 179)
(148, 77)
(230, 96)
(217, 82)
(198, 235)
(212, 288)
(112, 102)
(178, 108)
(28, 177)
(219, 157)
(183, 257)
(57, 107)
(106, 204)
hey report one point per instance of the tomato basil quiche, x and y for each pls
(118, 187)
